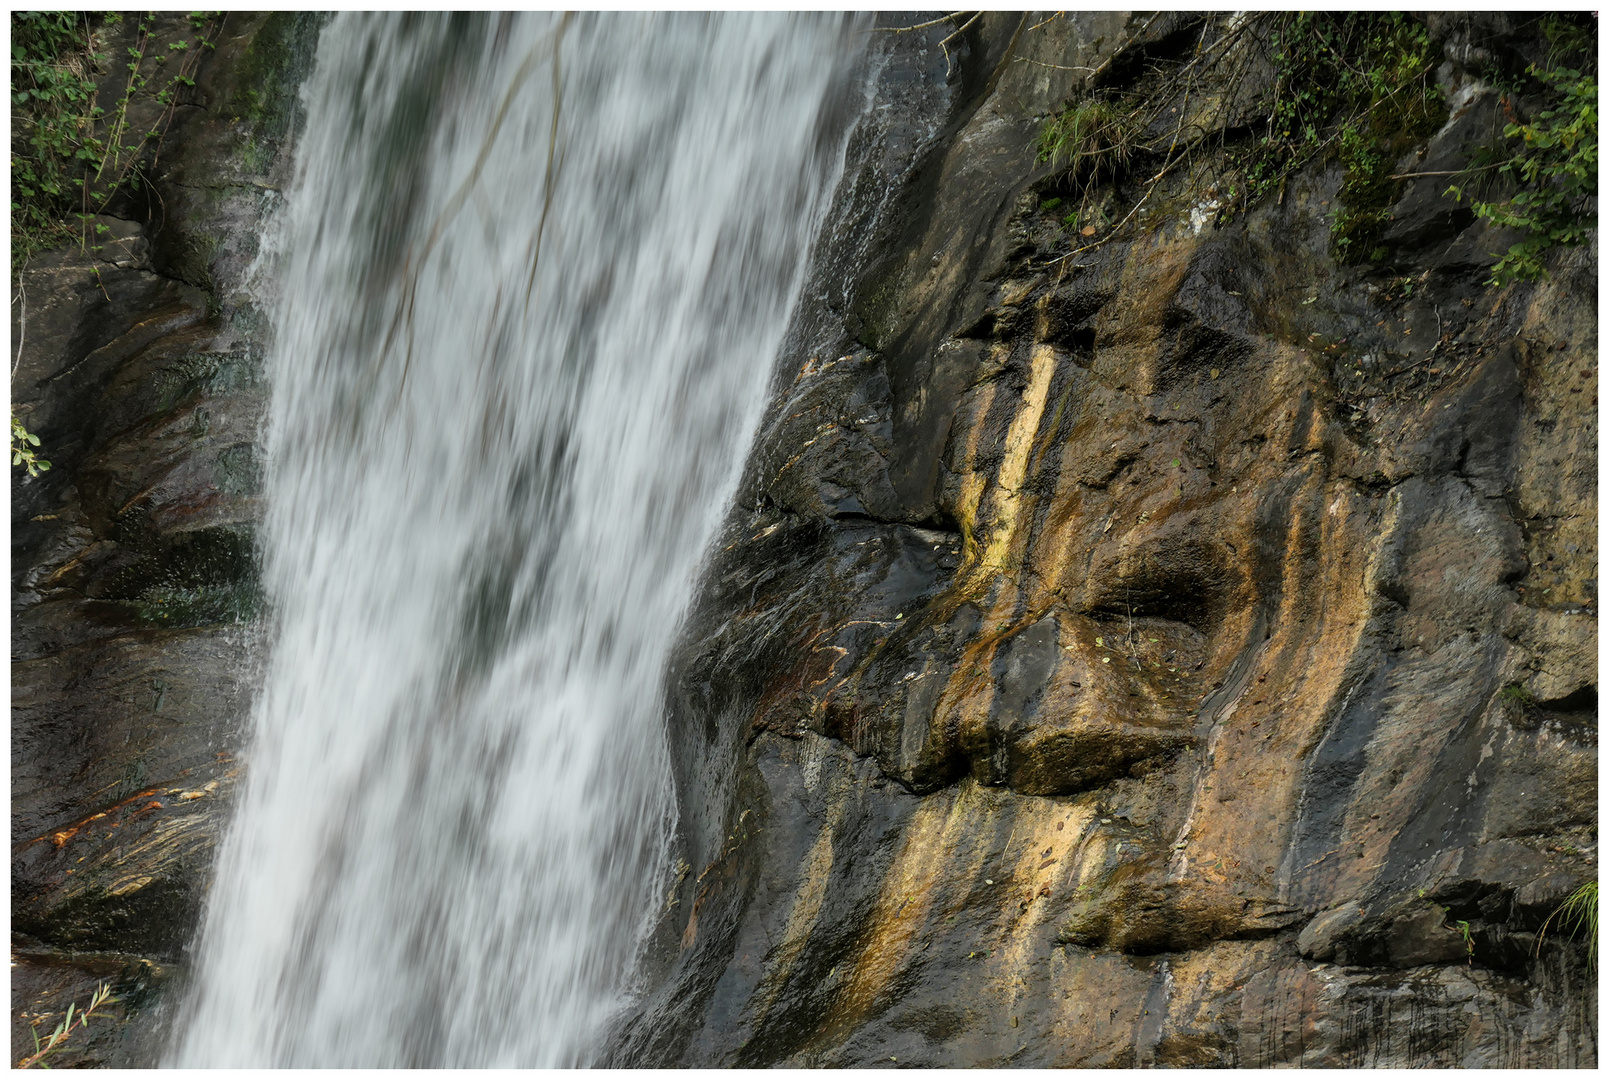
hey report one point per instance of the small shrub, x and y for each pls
(1091, 140)
(24, 450)
(1515, 694)
(69, 1024)
(71, 155)
(1555, 165)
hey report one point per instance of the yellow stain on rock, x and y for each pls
(934, 854)
(1014, 468)
(805, 912)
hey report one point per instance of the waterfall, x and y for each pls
(526, 291)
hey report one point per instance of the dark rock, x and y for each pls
(1424, 938)
(1196, 751)
(133, 558)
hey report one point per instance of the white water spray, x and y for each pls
(532, 277)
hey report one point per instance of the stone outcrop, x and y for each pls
(1180, 652)
(133, 565)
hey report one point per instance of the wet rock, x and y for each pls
(1317, 941)
(121, 1034)
(133, 558)
(1195, 751)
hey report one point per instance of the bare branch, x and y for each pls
(919, 26)
(945, 44)
(1443, 172)
(1041, 63)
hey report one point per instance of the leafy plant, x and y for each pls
(70, 155)
(52, 92)
(1518, 705)
(53, 1045)
(1358, 85)
(1462, 926)
(23, 448)
(1555, 166)
(1354, 86)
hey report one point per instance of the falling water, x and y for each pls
(531, 278)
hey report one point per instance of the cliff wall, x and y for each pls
(1149, 642)
(134, 583)
(1147, 639)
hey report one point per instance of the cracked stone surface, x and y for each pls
(133, 565)
(1183, 654)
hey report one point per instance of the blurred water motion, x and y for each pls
(527, 289)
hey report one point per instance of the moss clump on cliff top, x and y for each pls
(269, 75)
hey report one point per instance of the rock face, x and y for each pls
(133, 565)
(1180, 652)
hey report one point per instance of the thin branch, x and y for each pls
(414, 264)
(919, 26)
(22, 317)
(1444, 172)
(1119, 226)
(1041, 63)
(1124, 46)
(944, 45)
(547, 180)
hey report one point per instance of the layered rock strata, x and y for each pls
(1179, 651)
(1171, 648)
(133, 559)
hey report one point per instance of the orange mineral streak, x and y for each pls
(59, 839)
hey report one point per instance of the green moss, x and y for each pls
(1516, 694)
(206, 605)
(198, 579)
(239, 470)
(874, 305)
(1519, 706)
(208, 373)
(155, 919)
(268, 76)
